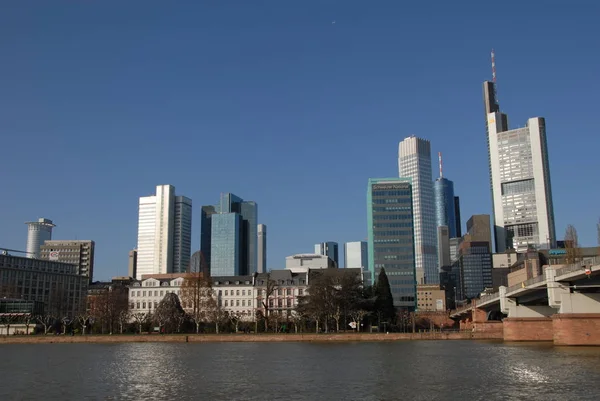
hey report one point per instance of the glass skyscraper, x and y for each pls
(243, 233)
(356, 255)
(445, 211)
(329, 249)
(391, 237)
(414, 162)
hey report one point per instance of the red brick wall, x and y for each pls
(576, 328)
(528, 329)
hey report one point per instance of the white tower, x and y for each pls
(38, 232)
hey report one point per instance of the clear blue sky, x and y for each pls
(102, 100)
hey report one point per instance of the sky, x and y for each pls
(292, 104)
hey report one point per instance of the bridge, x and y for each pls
(561, 305)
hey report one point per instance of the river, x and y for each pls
(411, 370)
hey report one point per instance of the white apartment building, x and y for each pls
(164, 233)
(414, 162)
(236, 295)
(522, 194)
(145, 295)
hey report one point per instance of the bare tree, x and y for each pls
(572, 245)
(141, 318)
(46, 320)
(197, 297)
(235, 318)
(269, 286)
(124, 317)
(84, 320)
(357, 317)
(168, 311)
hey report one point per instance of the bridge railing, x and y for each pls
(526, 283)
(488, 297)
(577, 266)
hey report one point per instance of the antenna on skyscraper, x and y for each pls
(440, 161)
(494, 77)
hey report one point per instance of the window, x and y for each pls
(143, 305)
(161, 293)
(226, 292)
(220, 292)
(300, 291)
(137, 305)
(243, 302)
(237, 302)
(243, 292)
(155, 293)
(226, 303)
(280, 303)
(144, 293)
(237, 292)
(280, 292)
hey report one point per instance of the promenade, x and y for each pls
(206, 338)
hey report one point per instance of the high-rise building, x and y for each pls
(182, 234)
(240, 231)
(329, 249)
(38, 232)
(356, 255)
(475, 269)
(132, 266)
(445, 208)
(443, 247)
(262, 249)
(522, 194)
(164, 232)
(414, 162)
(457, 214)
(391, 237)
(75, 252)
(479, 230)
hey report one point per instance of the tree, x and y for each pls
(140, 318)
(168, 311)
(269, 287)
(197, 296)
(46, 320)
(84, 320)
(572, 245)
(357, 317)
(384, 302)
(124, 317)
(216, 313)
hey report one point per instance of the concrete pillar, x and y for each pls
(503, 299)
(579, 303)
(555, 289)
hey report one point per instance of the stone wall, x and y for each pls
(528, 329)
(576, 328)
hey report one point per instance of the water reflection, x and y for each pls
(427, 370)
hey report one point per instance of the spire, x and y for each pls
(494, 78)
(440, 161)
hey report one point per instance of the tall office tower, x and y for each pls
(391, 237)
(227, 231)
(159, 227)
(182, 234)
(75, 252)
(414, 162)
(474, 269)
(205, 232)
(356, 255)
(445, 209)
(457, 214)
(262, 249)
(479, 230)
(443, 247)
(132, 266)
(522, 194)
(328, 249)
(38, 232)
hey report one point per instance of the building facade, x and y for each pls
(164, 232)
(391, 243)
(523, 210)
(443, 194)
(132, 265)
(243, 230)
(58, 285)
(430, 298)
(226, 244)
(329, 249)
(262, 249)
(457, 215)
(75, 252)
(302, 262)
(38, 232)
(443, 247)
(356, 255)
(479, 229)
(475, 269)
(414, 162)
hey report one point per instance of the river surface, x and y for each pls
(411, 370)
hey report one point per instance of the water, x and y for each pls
(412, 370)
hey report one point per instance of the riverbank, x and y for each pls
(204, 338)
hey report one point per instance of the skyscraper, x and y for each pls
(391, 237)
(356, 255)
(164, 232)
(182, 234)
(262, 249)
(330, 249)
(221, 233)
(38, 232)
(521, 189)
(457, 214)
(478, 229)
(132, 266)
(414, 162)
(445, 209)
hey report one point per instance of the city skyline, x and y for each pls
(147, 128)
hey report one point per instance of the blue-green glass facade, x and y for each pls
(225, 244)
(445, 210)
(391, 237)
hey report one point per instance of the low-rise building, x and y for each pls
(300, 263)
(78, 253)
(235, 294)
(430, 298)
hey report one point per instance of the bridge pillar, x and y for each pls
(555, 288)
(576, 328)
(534, 328)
